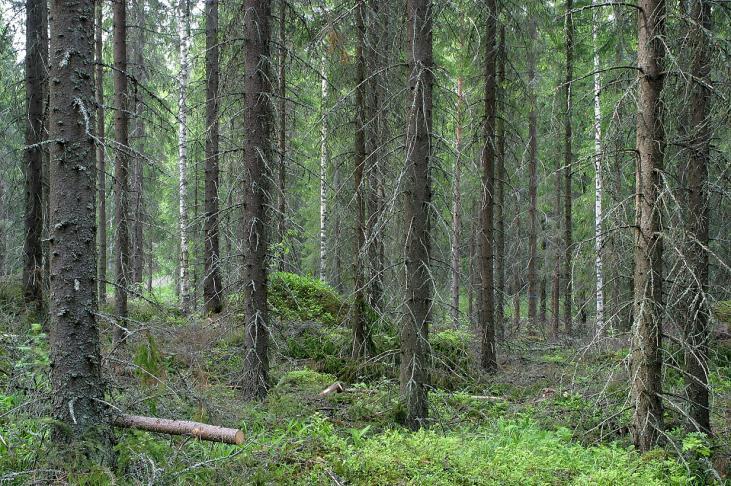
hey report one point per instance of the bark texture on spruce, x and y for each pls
(533, 284)
(568, 167)
(78, 387)
(100, 158)
(212, 277)
(361, 345)
(121, 168)
(36, 40)
(500, 180)
(257, 157)
(646, 353)
(414, 375)
(488, 355)
(696, 325)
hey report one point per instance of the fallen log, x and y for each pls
(336, 387)
(198, 430)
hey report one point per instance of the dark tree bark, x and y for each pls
(212, 275)
(646, 359)
(257, 156)
(78, 387)
(282, 135)
(376, 51)
(121, 167)
(568, 167)
(36, 38)
(137, 215)
(500, 193)
(456, 263)
(696, 327)
(100, 159)
(414, 376)
(533, 181)
(488, 356)
(543, 292)
(361, 338)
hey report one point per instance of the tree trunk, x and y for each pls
(324, 162)
(457, 209)
(184, 38)
(36, 39)
(568, 167)
(138, 209)
(488, 360)
(414, 377)
(121, 168)
(500, 193)
(556, 279)
(3, 219)
(696, 327)
(646, 357)
(101, 159)
(282, 137)
(543, 292)
(78, 388)
(257, 157)
(598, 189)
(212, 276)
(533, 181)
(376, 53)
(361, 338)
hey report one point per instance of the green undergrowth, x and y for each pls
(295, 437)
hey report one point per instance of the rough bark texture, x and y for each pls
(646, 359)
(456, 265)
(533, 181)
(361, 339)
(414, 377)
(212, 276)
(500, 193)
(78, 387)
(377, 56)
(488, 357)
(36, 38)
(121, 168)
(257, 156)
(183, 77)
(101, 179)
(282, 136)
(324, 162)
(137, 214)
(696, 327)
(568, 167)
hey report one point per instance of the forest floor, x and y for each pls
(555, 413)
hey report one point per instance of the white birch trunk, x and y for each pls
(598, 177)
(184, 37)
(324, 158)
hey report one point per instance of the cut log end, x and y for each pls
(336, 387)
(198, 430)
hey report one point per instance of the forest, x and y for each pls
(383, 242)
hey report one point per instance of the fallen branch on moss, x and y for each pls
(198, 430)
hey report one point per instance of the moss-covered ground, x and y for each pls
(555, 413)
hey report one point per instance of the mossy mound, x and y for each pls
(295, 297)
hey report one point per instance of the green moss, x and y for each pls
(451, 351)
(295, 297)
